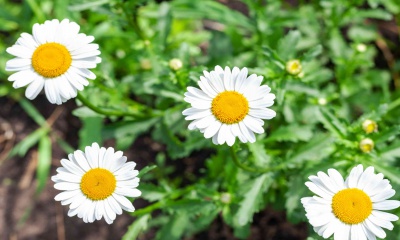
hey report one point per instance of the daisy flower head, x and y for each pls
(55, 57)
(96, 183)
(229, 104)
(351, 208)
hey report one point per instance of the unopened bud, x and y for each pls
(293, 67)
(366, 145)
(175, 64)
(361, 47)
(145, 64)
(322, 101)
(369, 126)
(226, 198)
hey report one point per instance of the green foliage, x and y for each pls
(320, 111)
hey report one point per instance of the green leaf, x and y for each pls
(137, 227)
(252, 198)
(387, 134)
(37, 10)
(337, 44)
(392, 5)
(175, 228)
(375, 13)
(242, 232)
(201, 222)
(90, 131)
(191, 206)
(332, 123)
(44, 162)
(220, 47)
(87, 5)
(152, 192)
(391, 152)
(261, 158)
(291, 133)
(128, 128)
(312, 53)
(393, 173)
(32, 111)
(84, 111)
(374, 3)
(319, 147)
(22, 147)
(145, 170)
(210, 10)
(273, 57)
(287, 46)
(163, 24)
(296, 190)
(362, 33)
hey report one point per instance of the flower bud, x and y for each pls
(293, 67)
(366, 145)
(361, 47)
(175, 64)
(369, 126)
(145, 64)
(322, 101)
(225, 198)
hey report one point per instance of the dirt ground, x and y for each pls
(25, 216)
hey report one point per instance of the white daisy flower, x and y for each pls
(229, 104)
(96, 183)
(350, 209)
(57, 57)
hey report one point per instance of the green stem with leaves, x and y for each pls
(164, 202)
(106, 112)
(131, 15)
(252, 169)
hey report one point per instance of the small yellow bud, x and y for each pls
(293, 67)
(175, 64)
(145, 64)
(366, 145)
(361, 47)
(369, 126)
(225, 198)
(322, 101)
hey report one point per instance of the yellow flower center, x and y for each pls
(98, 184)
(351, 205)
(51, 60)
(230, 107)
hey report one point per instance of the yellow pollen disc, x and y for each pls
(51, 60)
(230, 107)
(351, 205)
(98, 183)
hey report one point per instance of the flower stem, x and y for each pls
(103, 111)
(167, 200)
(252, 169)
